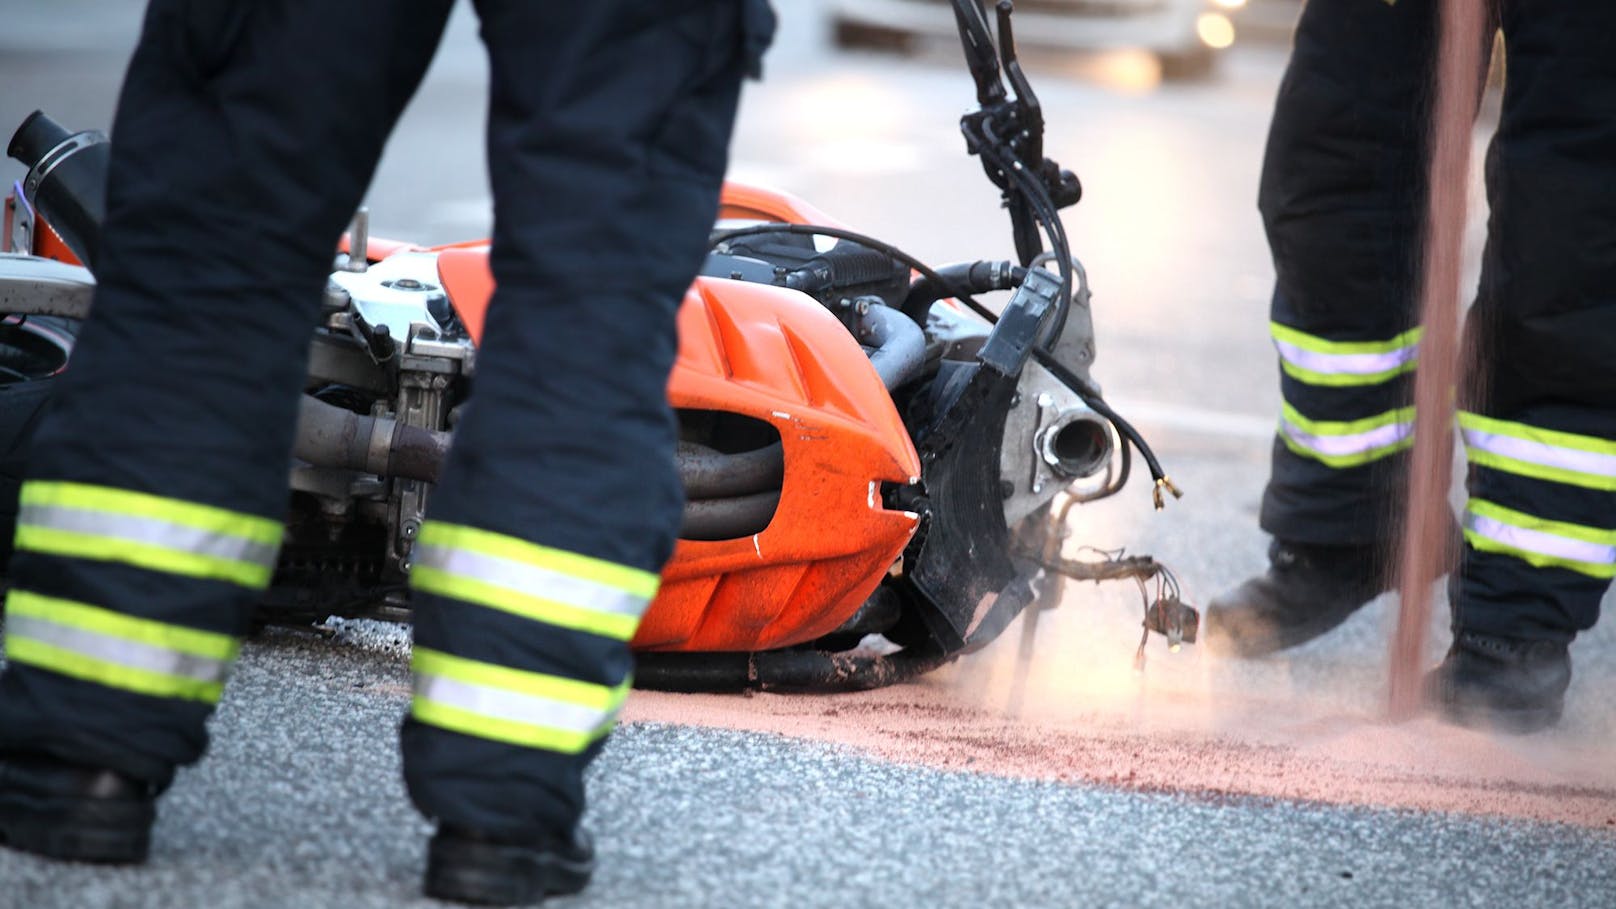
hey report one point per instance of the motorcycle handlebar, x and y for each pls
(35, 137)
(66, 181)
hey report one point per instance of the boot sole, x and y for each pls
(76, 829)
(489, 874)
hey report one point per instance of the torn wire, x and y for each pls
(1165, 612)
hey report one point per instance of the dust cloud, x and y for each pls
(1308, 727)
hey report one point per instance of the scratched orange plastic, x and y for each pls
(777, 356)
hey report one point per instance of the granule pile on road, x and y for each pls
(1308, 728)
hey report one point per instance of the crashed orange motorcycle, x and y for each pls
(878, 467)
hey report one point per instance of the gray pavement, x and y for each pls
(300, 802)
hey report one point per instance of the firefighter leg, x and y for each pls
(151, 512)
(1540, 431)
(608, 134)
(1342, 197)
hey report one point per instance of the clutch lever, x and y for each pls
(980, 56)
(1029, 113)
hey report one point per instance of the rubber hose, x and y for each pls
(711, 474)
(779, 670)
(900, 345)
(960, 278)
(728, 519)
(332, 436)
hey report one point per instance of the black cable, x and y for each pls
(816, 230)
(1083, 389)
(1045, 213)
(1091, 397)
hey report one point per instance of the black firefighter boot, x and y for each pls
(72, 812)
(468, 867)
(1503, 683)
(1307, 590)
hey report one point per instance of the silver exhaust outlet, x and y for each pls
(1077, 444)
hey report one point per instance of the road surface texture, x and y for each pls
(1077, 781)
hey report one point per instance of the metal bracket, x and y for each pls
(31, 286)
(20, 226)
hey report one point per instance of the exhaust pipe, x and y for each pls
(331, 436)
(1077, 444)
(731, 496)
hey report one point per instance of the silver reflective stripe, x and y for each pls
(117, 650)
(511, 706)
(1552, 545)
(1534, 451)
(1339, 446)
(532, 580)
(1538, 453)
(1350, 364)
(150, 531)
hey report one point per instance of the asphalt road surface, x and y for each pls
(300, 803)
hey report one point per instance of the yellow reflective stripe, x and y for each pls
(143, 505)
(26, 652)
(510, 732)
(1344, 461)
(1491, 527)
(1485, 543)
(509, 705)
(1347, 427)
(457, 536)
(553, 687)
(1317, 361)
(33, 538)
(535, 582)
(79, 520)
(1540, 471)
(540, 609)
(116, 624)
(1530, 433)
(1320, 345)
(1532, 522)
(1343, 379)
(1344, 444)
(1544, 454)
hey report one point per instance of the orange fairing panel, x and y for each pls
(469, 284)
(46, 242)
(754, 203)
(778, 356)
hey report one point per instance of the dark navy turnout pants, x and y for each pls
(1343, 197)
(150, 518)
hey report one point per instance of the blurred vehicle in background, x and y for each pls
(1185, 35)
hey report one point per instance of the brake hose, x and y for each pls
(1084, 390)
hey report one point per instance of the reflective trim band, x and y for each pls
(536, 582)
(510, 705)
(1547, 544)
(117, 650)
(1347, 444)
(1545, 454)
(1315, 361)
(147, 531)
